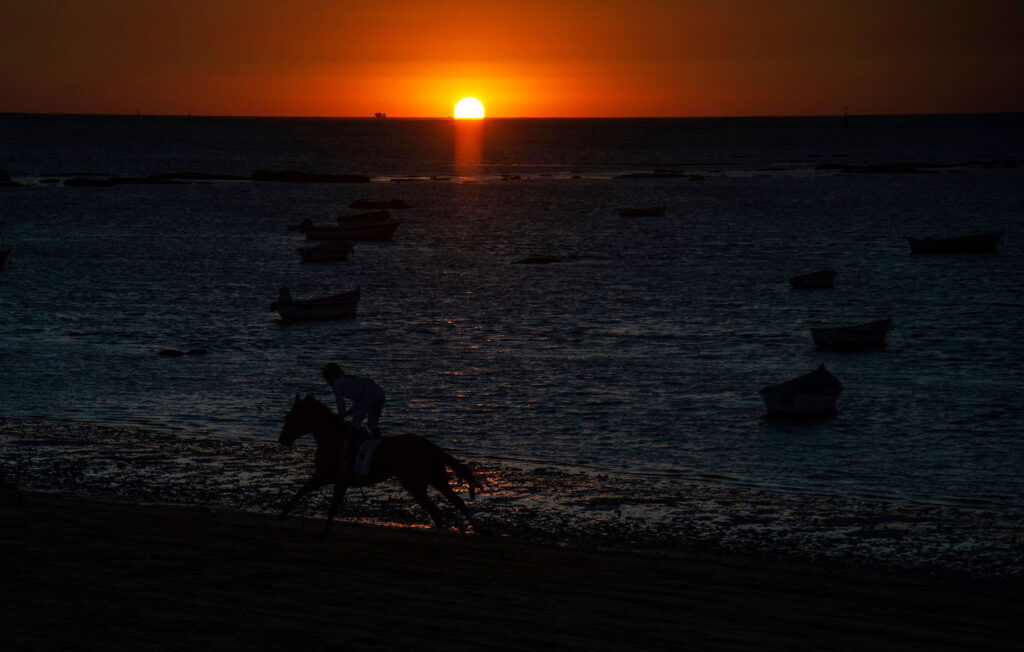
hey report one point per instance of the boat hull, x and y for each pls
(374, 217)
(326, 252)
(814, 280)
(331, 307)
(808, 395)
(377, 232)
(859, 336)
(793, 403)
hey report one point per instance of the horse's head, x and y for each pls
(294, 424)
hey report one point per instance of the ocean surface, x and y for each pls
(635, 358)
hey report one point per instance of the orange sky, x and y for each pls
(524, 58)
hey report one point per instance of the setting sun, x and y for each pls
(469, 107)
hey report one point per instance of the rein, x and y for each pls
(324, 423)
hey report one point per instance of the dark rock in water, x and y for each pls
(85, 182)
(880, 168)
(297, 176)
(199, 176)
(118, 181)
(368, 203)
(655, 174)
(141, 181)
(537, 260)
(171, 352)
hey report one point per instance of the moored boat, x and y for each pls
(371, 203)
(808, 395)
(859, 336)
(814, 280)
(646, 211)
(975, 243)
(375, 231)
(373, 217)
(332, 250)
(330, 307)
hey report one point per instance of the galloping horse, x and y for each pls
(415, 461)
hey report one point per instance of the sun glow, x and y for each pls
(469, 108)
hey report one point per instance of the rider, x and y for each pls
(367, 403)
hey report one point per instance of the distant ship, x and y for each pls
(380, 116)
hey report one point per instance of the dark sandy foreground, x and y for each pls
(81, 575)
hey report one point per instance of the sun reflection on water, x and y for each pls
(468, 148)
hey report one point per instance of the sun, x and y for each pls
(469, 107)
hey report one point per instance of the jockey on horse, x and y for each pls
(367, 403)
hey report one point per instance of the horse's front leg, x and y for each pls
(339, 496)
(314, 482)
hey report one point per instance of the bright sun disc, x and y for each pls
(469, 107)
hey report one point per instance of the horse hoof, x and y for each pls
(481, 529)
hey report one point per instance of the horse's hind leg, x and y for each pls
(314, 482)
(418, 490)
(449, 493)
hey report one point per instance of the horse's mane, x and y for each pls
(319, 406)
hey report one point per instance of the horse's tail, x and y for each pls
(461, 470)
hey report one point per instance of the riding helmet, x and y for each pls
(331, 371)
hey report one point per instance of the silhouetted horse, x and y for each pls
(416, 462)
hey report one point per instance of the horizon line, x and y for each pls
(485, 118)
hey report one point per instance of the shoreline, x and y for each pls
(94, 574)
(544, 505)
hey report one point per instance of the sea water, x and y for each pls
(638, 354)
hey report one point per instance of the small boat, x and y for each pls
(325, 252)
(3, 256)
(647, 211)
(859, 336)
(376, 231)
(975, 243)
(814, 280)
(374, 217)
(808, 395)
(330, 307)
(369, 203)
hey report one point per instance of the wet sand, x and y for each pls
(85, 575)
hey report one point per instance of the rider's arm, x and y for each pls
(341, 404)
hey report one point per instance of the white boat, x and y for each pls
(372, 217)
(330, 307)
(811, 394)
(859, 336)
(324, 252)
(371, 203)
(814, 280)
(375, 231)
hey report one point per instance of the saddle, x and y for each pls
(364, 455)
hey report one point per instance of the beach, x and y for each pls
(84, 574)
